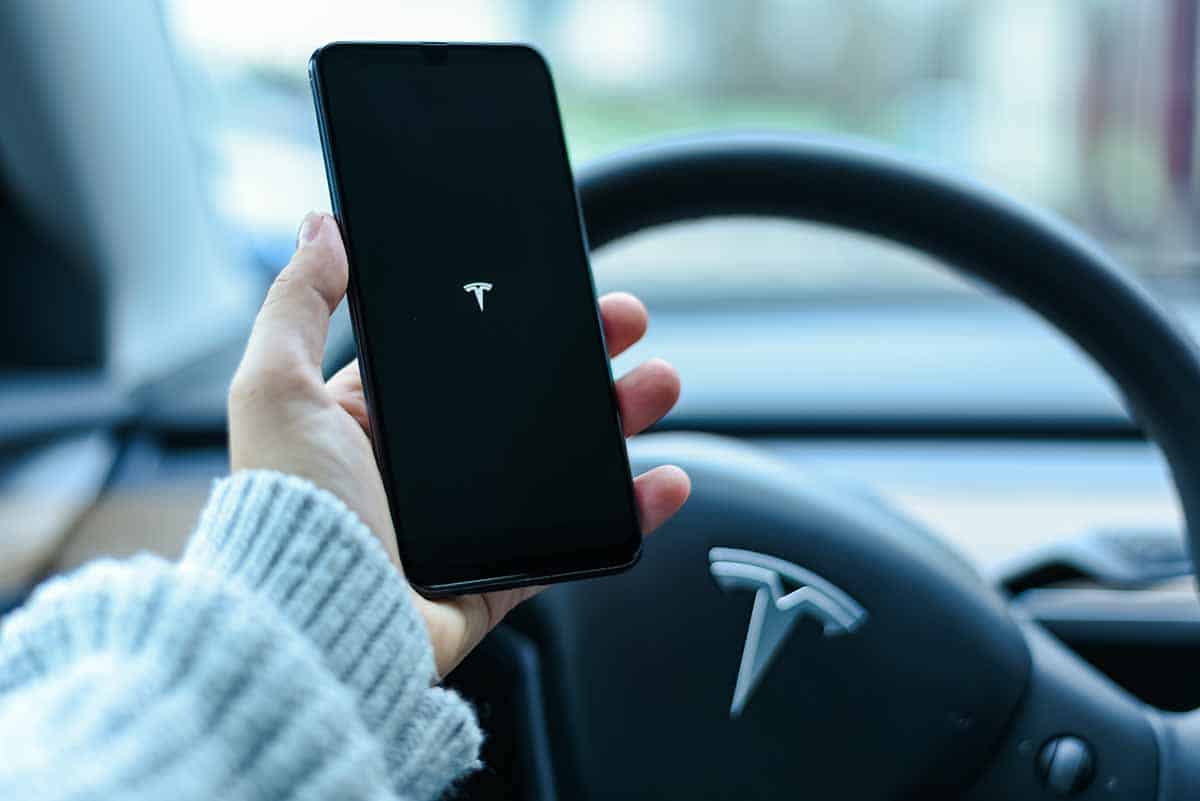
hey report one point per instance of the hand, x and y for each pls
(283, 416)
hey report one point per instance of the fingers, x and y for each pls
(294, 319)
(625, 320)
(345, 387)
(660, 493)
(347, 380)
(646, 393)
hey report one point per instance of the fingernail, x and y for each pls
(309, 228)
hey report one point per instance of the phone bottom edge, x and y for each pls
(512, 582)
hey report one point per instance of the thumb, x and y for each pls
(294, 319)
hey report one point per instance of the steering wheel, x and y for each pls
(779, 638)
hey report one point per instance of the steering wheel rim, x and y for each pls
(1087, 296)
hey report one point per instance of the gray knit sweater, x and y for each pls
(281, 658)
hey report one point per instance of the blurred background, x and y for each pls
(1085, 107)
(156, 158)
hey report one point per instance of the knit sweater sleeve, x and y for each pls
(281, 658)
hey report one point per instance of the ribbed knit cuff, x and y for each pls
(139, 679)
(301, 548)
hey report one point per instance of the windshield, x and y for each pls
(1084, 107)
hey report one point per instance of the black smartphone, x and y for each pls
(491, 399)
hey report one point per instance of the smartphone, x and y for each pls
(491, 400)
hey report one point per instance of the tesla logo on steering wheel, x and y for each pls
(776, 609)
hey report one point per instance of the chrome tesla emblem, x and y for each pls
(776, 609)
(477, 288)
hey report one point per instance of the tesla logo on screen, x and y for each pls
(478, 287)
(776, 609)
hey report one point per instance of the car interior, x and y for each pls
(940, 382)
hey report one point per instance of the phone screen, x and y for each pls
(492, 403)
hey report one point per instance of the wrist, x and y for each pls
(301, 548)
